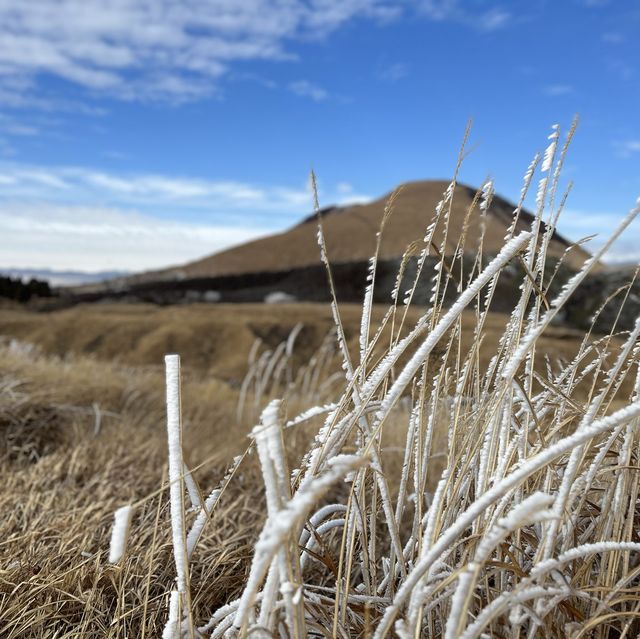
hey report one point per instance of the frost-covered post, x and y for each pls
(176, 478)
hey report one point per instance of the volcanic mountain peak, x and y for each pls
(350, 233)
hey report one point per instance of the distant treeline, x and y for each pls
(16, 289)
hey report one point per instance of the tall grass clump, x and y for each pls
(525, 523)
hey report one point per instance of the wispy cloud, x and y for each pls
(627, 148)
(492, 19)
(577, 224)
(346, 194)
(306, 89)
(393, 72)
(83, 218)
(555, 90)
(102, 238)
(157, 191)
(28, 182)
(115, 155)
(440, 9)
(613, 37)
(159, 50)
(11, 126)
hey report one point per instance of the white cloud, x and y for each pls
(21, 182)
(441, 9)
(347, 195)
(307, 89)
(554, 90)
(158, 49)
(627, 148)
(13, 127)
(115, 155)
(85, 219)
(577, 224)
(393, 72)
(613, 37)
(491, 19)
(99, 238)
(75, 184)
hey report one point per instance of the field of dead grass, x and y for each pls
(82, 418)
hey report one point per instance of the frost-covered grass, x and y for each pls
(431, 470)
(533, 527)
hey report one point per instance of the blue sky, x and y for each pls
(140, 133)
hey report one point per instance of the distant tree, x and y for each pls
(16, 289)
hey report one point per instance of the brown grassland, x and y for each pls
(82, 416)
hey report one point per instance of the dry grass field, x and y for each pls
(217, 339)
(82, 413)
(80, 438)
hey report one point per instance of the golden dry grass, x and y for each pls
(62, 480)
(83, 426)
(216, 339)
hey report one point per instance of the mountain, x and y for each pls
(350, 233)
(286, 266)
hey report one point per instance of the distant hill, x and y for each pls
(351, 234)
(61, 278)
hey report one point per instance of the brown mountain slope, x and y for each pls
(351, 231)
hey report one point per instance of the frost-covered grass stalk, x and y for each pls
(176, 491)
(273, 373)
(523, 524)
(119, 533)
